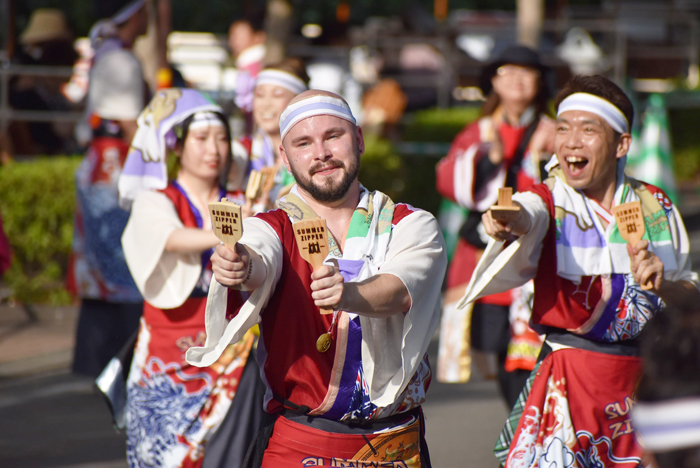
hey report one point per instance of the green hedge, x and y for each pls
(438, 125)
(382, 168)
(37, 201)
(684, 138)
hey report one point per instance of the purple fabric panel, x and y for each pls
(135, 166)
(599, 329)
(189, 100)
(353, 357)
(350, 268)
(348, 381)
(572, 236)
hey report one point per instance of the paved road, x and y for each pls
(56, 420)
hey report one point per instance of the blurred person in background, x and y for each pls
(275, 86)
(47, 41)
(174, 409)
(114, 63)
(111, 304)
(246, 39)
(506, 147)
(666, 415)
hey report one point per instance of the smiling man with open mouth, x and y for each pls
(589, 300)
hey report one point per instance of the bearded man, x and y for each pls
(594, 292)
(358, 401)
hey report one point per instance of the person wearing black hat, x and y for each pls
(506, 147)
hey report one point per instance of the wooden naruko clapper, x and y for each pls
(505, 211)
(630, 223)
(227, 222)
(260, 183)
(312, 240)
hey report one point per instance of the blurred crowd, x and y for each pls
(138, 108)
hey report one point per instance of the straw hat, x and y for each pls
(45, 24)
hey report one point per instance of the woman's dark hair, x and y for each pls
(670, 345)
(599, 86)
(539, 101)
(686, 458)
(181, 131)
(294, 66)
(184, 127)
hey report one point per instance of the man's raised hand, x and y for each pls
(645, 266)
(327, 287)
(503, 232)
(230, 268)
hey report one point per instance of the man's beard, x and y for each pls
(331, 191)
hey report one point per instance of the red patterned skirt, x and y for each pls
(578, 413)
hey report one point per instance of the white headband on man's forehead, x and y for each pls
(668, 425)
(315, 105)
(205, 119)
(596, 105)
(281, 78)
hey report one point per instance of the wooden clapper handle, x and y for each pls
(226, 221)
(312, 240)
(630, 223)
(252, 190)
(505, 211)
(268, 179)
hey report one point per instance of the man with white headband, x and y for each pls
(343, 387)
(574, 410)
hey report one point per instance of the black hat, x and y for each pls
(513, 55)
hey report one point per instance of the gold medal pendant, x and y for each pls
(323, 343)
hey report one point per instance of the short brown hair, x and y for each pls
(599, 86)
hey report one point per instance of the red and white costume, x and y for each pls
(467, 177)
(575, 410)
(376, 368)
(192, 401)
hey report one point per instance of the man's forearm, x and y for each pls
(240, 269)
(379, 296)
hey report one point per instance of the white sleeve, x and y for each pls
(681, 245)
(500, 269)
(165, 279)
(393, 347)
(260, 237)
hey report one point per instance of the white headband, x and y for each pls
(668, 425)
(282, 79)
(309, 107)
(596, 105)
(205, 119)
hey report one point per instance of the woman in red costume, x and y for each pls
(173, 409)
(506, 147)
